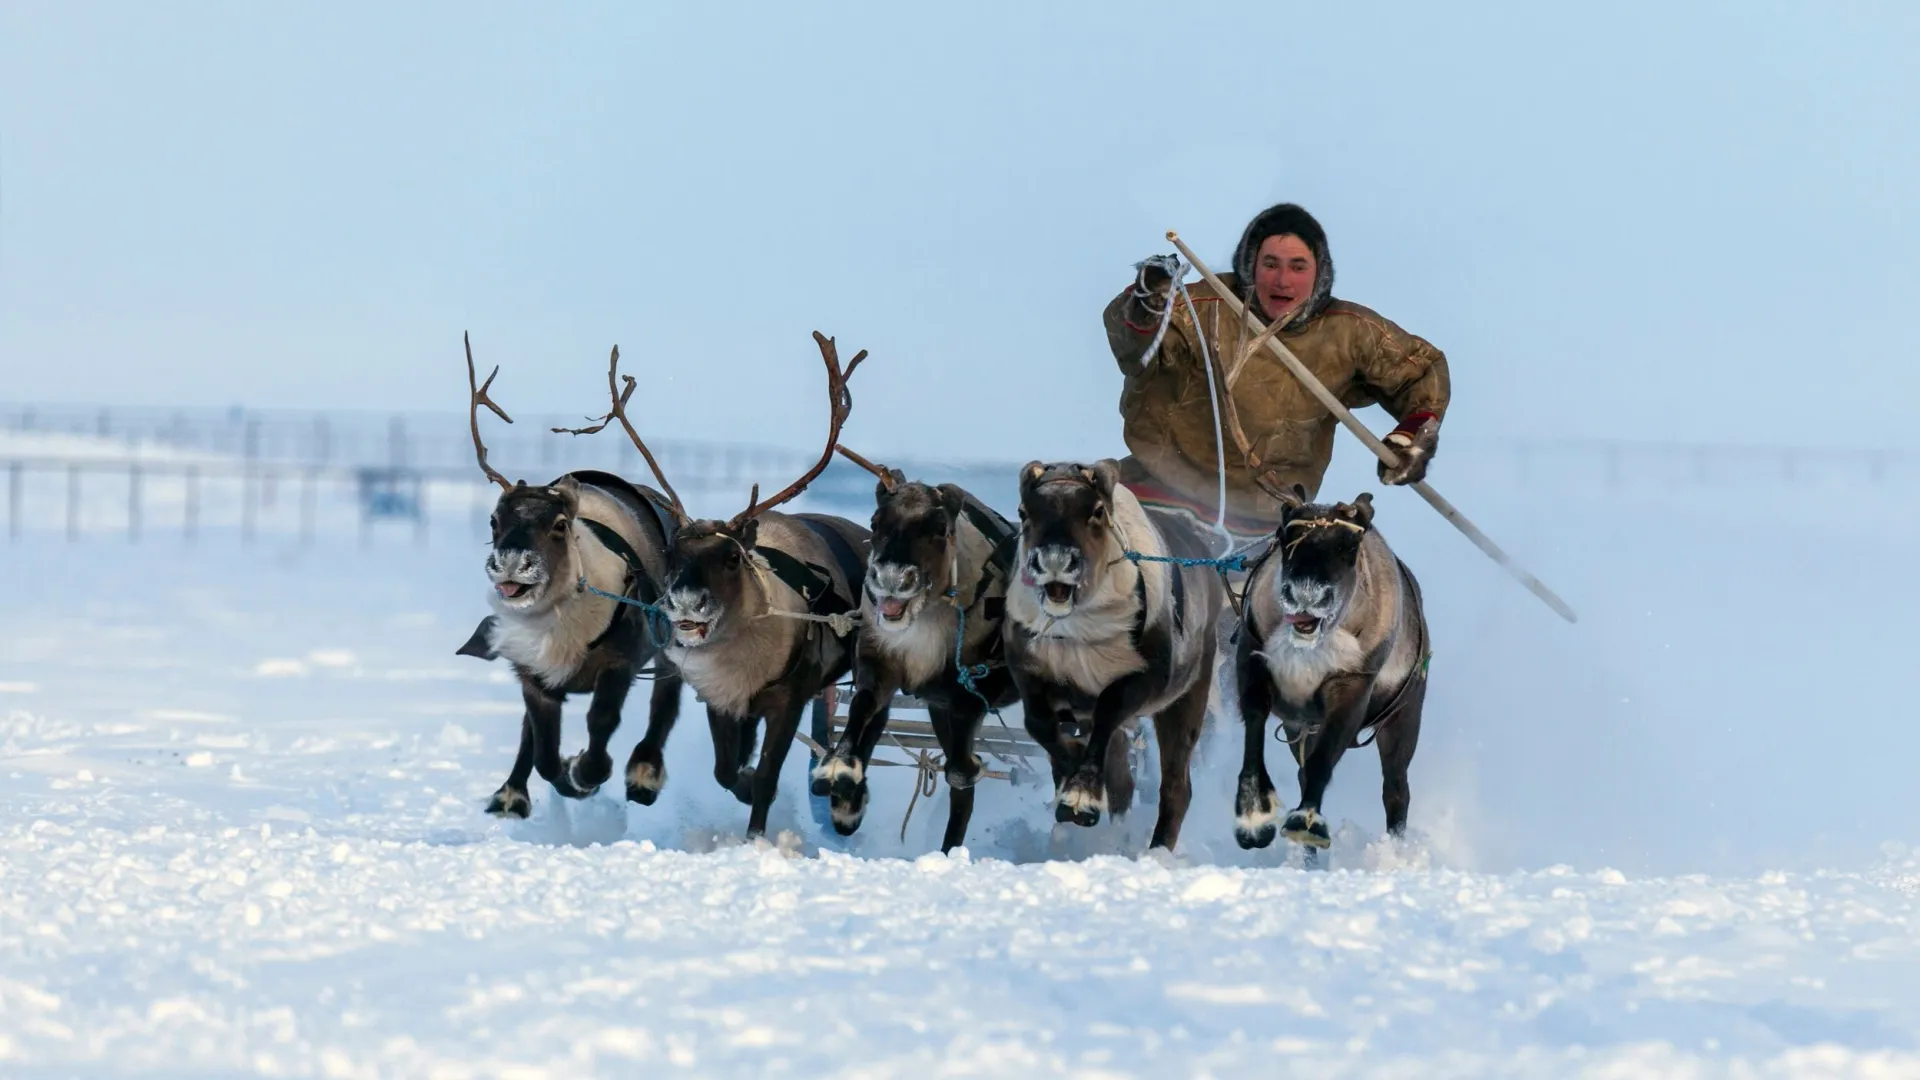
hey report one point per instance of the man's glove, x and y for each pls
(1413, 442)
(1153, 280)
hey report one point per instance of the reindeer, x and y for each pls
(1100, 631)
(930, 619)
(561, 554)
(1334, 642)
(761, 611)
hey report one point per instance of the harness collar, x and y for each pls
(629, 588)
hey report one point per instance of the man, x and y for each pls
(1282, 270)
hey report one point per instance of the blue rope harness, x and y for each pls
(655, 612)
(1231, 562)
(969, 676)
(1234, 562)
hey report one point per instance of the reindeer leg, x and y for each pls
(1396, 740)
(783, 720)
(955, 728)
(732, 749)
(1176, 729)
(511, 800)
(1042, 722)
(843, 775)
(543, 715)
(1119, 773)
(1256, 808)
(647, 766)
(1344, 706)
(591, 767)
(1083, 797)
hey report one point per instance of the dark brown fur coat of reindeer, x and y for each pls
(761, 612)
(1334, 642)
(1095, 639)
(937, 578)
(551, 545)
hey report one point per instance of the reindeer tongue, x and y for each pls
(893, 607)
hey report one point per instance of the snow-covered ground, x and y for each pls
(243, 837)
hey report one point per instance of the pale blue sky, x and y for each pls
(1642, 220)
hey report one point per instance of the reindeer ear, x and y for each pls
(1105, 474)
(1361, 510)
(750, 533)
(1032, 471)
(953, 501)
(881, 490)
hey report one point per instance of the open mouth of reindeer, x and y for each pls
(1058, 592)
(893, 610)
(692, 631)
(1304, 624)
(894, 592)
(516, 592)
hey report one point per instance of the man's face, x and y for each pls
(1283, 273)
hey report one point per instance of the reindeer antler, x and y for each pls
(887, 476)
(840, 405)
(619, 412)
(477, 396)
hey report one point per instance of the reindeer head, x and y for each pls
(1066, 531)
(531, 561)
(914, 547)
(1319, 561)
(713, 580)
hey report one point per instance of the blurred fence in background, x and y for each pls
(310, 477)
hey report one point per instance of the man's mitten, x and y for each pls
(1153, 280)
(1414, 442)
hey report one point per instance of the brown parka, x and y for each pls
(1360, 356)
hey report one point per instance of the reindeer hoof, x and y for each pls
(1307, 827)
(510, 802)
(845, 780)
(849, 807)
(1081, 802)
(961, 776)
(588, 773)
(743, 787)
(1256, 814)
(644, 781)
(1257, 837)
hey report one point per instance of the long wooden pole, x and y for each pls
(1380, 450)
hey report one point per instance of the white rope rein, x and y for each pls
(842, 623)
(1213, 393)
